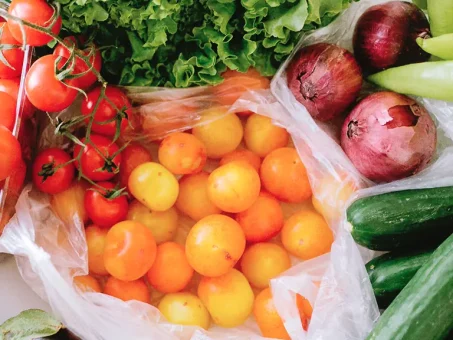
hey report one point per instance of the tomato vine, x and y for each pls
(65, 69)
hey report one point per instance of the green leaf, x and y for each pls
(28, 325)
(184, 43)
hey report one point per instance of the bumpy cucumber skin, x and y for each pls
(402, 219)
(424, 308)
(391, 272)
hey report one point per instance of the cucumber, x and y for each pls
(391, 272)
(424, 308)
(402, 219)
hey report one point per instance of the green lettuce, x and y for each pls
(183, 43)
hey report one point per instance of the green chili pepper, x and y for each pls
(440, 14)
(441, 46)
(420, 3)
(430, 79)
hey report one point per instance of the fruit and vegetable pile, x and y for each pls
(190, 203)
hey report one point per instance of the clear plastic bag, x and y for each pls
(328, 158)
(23, 130)
(50, 253)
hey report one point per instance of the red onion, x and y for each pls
(389, 136)
(385, 36)
(326, 79)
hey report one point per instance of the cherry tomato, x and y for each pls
(234, 187)
(193, 199)
(231, 289)
(87, 283)
(170, 272)
(214, 245)
(37, 12)
(184, 309)
(220, 132)
(106, 111)
(263, 220)
(132, 156)
(163, 224)
(10, 153)
(41, 79)
(47, 174)
(14, 56)
(243, 156)
(262, 137)
(69, 205)
(307, 235)
(154, 186)
(96, 237)
(182, 153)
(103, 210)
(12, 87)
(262, 262)
(128, 290)
(8, 111)
(130, 250)
(284, 175)
(92, 164)
(81, 66)
(237, 83)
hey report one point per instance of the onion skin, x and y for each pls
(389, 136)
(385, 36)
(326, 79)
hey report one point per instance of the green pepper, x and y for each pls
(441, 46)
(430, 79)
(421, 3)
(440, 13)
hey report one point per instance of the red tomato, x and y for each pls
(37, 12)
(14, 56)
(10, 153)
(12, 87)
(87, 79)
(106, 111)
(44, 90)
(132, 156)
(8, 111)
(92, 164)
(16, 180)
(102, 210)
(47, 176)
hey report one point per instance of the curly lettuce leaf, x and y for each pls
(185, 43)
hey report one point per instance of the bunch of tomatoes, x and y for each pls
(238, 182)
(234, 177)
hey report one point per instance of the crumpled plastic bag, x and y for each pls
(321, 140)
(50, 253)
(11, 187)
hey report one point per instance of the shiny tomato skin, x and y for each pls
(61, 179)
(103, 211)
(14, 56)
(130, 250)
(91, 162)
(41, 80)
(12, 87)
(10, 153)
(8, 111)
(105, 110)
(37, 12)
(87, 79)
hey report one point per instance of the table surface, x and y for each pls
(15, 295)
